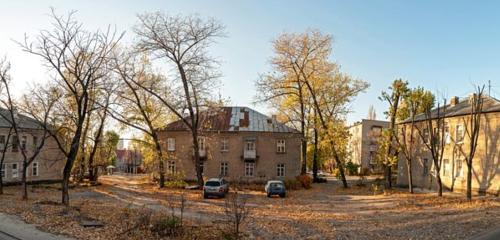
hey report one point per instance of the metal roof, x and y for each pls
(23, 121)
(463, 107)
(234, 119)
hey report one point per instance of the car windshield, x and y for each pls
(212, 184)
(276, 185)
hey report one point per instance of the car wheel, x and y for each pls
(205, 196)
(282, 195)
(268, 195)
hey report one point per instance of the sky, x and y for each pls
(447, 47)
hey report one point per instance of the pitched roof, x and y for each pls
(234, 119)
(23, 122)
(490, 104)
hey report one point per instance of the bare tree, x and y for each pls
(237, 212)
(78, 60)
(433, 136)
(136, 107)
(183, 42)
(473, 126)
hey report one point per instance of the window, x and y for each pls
(2, 142)
(224, 145)
(15, 172)
(201, 143)
(280, 170)
(425, 171)
(459, 168)
(376, 131)
(35, 142)
(426, 136)
(459, 134)
(280, 146)
(446, 133)
(446, 166)
(23, 142)
(224, 168)
(171, 168)
(15, 146)
(249, 169)
(2, 170)
(171, 144)
(34, 169)
(202, 167)
(250, 145)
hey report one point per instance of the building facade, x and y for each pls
(486, 163)
(48, 165)
(363, 144)
(237, 143)
(128, 160)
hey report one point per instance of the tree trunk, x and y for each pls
(161, 167)
(439, 185)
(304, 156)
(197, 160)
(388, 176)
(469, 182)
(23, 179)
(410, 176)
(315, 156)
(68, 166)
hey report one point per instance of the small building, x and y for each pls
(48, 165)
(128, 160)
(237, 143)
(486, 162)
(363, 144)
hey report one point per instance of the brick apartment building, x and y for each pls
(49, 163)
(486, 162)
(237, 143)
(363, 143)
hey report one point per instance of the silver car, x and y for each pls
(275, 187)
(215, 187)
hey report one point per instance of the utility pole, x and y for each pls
(489, 87)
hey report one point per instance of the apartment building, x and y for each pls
(486, 163)
(363, 144)
(49, 163)
(237, 143)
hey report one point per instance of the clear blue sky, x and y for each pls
(447, 46)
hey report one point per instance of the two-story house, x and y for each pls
(486, 162)
(47, 166)
(237, 143)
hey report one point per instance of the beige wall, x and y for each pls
(265, 165)
(50, 160)
(486, 163)
(363, 143)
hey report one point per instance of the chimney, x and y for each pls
(453, 101)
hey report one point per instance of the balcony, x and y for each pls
(202, 152)
(249, 154)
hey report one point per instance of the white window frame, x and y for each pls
(281, 146)
(250, 145)
(459, 172)
(3, 142)
(280, 170)
(171, 167)
(224, 169)
(15, 171)
(462, 136)
(249, 169)
(171, 144)
(201, 143)
(447, 137)
(224, 145)
(446, 166)
(35, 169)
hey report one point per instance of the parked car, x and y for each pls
(215, 187)
(275, 187)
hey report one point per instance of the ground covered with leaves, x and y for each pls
(133, 208)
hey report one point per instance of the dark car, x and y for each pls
(275, 187)
(215, 187)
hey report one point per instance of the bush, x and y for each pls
(305, 180)
(351, 168)
(292, 184)
(169, 226)
(176, 184)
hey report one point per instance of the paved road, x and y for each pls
(12, 228)
(491, 235)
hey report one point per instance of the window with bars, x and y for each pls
(280, 170)
(34, 169)
(280, 146)
(171, 167)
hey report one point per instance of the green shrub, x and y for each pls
(176, 184)
(351, 168)
(305, 180)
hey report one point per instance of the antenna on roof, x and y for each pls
(489, 87)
